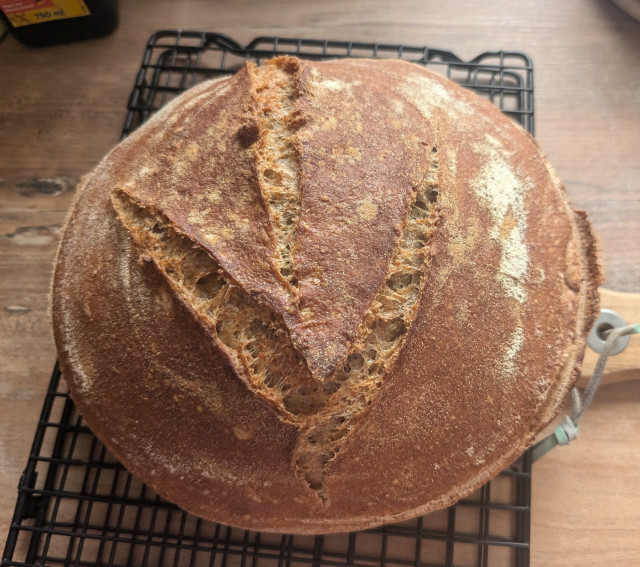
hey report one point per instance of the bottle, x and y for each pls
(46, 22)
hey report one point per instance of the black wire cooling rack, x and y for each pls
(77, 506)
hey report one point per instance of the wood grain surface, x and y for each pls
(62, 108)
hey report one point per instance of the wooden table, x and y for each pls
(62, 108)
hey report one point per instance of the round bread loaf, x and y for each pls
(318, 297)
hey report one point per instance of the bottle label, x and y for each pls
(29, 12)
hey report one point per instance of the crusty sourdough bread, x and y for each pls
(317, 297)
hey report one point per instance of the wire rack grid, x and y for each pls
(77, 506)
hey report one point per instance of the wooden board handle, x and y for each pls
(626, 365)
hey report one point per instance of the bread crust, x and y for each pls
(504, 280)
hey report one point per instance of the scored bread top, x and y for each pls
(316, 297)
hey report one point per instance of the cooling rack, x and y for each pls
(77, 506)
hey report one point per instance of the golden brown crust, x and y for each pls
(362, 153)
(405, 239)
(201, 173)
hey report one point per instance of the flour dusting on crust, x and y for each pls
(502, 192)
(515, 344)
(428, 95)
